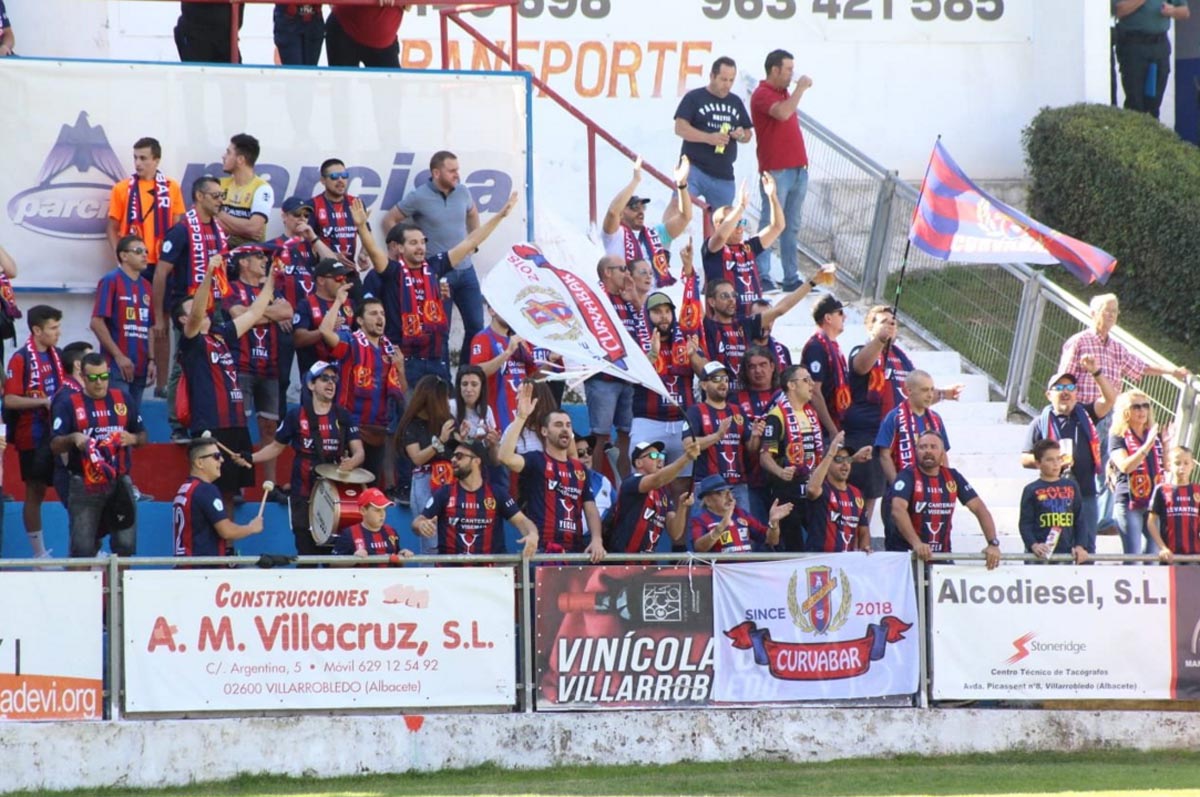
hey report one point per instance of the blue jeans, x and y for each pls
(417, 367)
(132, 390)
(791, 185)
(1104, 496)
(716, 192)
(1086, 523)
(421, 490)
(464, 291)
(299, 42)
(1132, 523)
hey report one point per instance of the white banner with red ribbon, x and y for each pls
(824, 627)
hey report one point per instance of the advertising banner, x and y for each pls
(64, 160)
(1037, 633)
(379, 638)
(51, 646)
(623, 636)
(824, 627)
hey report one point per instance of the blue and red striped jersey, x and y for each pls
(727, 343)
(470, 521)
(553, 493)
(195, 513)
(294, 279)
(1178, 509)
(725, 458)
(641, 517)
(930, 505)
(756, 404)
(674, 366)
(40, 380)
(736, 264)
(316, 440)
(98, 419)
(743, 533)
(833, 518)
(212, 382)
(257, 352)
(369, 384)
(416, 313)
(504, 384)
(334, 225)
(383, 541)
(123, 303)
(308, 315)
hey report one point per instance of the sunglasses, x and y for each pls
(655, 455)
(582, 452)
(213, 194)
(217, 455)
(338, 176)
(726, 295)
(743, 224)
(1060, 388)
(458, 455)
(841, 459)
(327, 378)
(618, 268)
(97, 377)
(1139, 406)
(137, 251)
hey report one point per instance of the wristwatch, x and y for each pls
(993, 543)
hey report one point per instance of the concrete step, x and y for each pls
(989, 467)
(937, 362)
(998, 492)
(966, 413)
(1005, 439)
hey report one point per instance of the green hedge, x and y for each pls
(1121, 181)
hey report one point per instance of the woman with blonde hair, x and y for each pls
(1137, 463)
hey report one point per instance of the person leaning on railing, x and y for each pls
(1138, 464)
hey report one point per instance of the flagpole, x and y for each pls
(908, 246)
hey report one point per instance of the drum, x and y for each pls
(333, 507)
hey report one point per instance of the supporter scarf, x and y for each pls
(421, 303)
(202, 239)
(389, 352)
(841, 385)
(648, 240)
(162, 209)
(1147, 473)
(100, 462)
(33, 369)
(1049, 430)
(795, 430)
(8, 298)
(691, 312)
(907, 433)
(333, 218)
(879, 379)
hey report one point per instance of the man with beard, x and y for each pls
(922, 505)
(644, 506)
(726, 335)
(825, 362)
(371, 375)
(624, 232)
(319, 432)
(248, 197)
(724, 434)
(730, 256)
(835, 520)
(467, 515)
(332, 221)
(760, 375)
(792, 446)
(676, 360)
(554, 485)
(780, 353)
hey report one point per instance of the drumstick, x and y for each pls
(236, 457)
(268, 486)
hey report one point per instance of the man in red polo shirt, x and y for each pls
(781, 152)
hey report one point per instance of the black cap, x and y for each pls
(635, 201)
(328, 267)
(641, 449)
(826, 305)
(477, 447)
(295, 203)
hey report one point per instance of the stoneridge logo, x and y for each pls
(1026, 644)
(70, 199)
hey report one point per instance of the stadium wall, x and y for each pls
(174, 752)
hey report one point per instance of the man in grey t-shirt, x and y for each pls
(446, 214)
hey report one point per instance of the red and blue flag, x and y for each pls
(957, 220)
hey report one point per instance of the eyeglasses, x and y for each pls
(726, 295)
(842, 459)
(97, 377)
(217, 455)
(213, 194)
(327, 378)
(719, 378)
(617, 268)
(1069, 388)
(1145, 406)
(457, 455)
(338, 176)
(141, 251)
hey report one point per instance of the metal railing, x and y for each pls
(1007, 321)
(526, 681)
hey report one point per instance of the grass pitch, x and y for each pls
(1108, 772)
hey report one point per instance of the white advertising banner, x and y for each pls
(63, 160)
(51, 648)
(1039, 633)
(241, 640)
(557, 309)
(822, 627)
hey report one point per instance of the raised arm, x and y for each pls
(612, 216)
(478, 236)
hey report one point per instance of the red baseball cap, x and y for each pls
(374, 497)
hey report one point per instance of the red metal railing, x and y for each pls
(451, 11)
